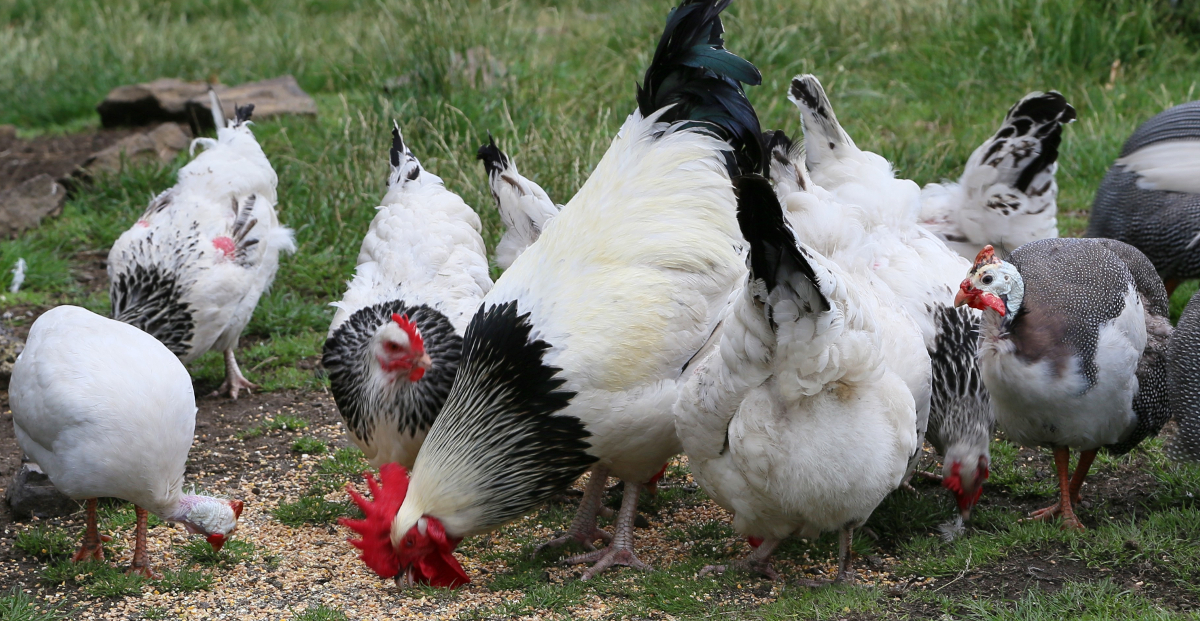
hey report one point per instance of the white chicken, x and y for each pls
(795, 422)
(524, 206)
(576, 356)
(394, 346)
(1007, 194)
(108, 411)
(191, 270)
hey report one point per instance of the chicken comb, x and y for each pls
(375, 529)
(414, 337)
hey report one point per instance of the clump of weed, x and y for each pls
(45, 542)
(308, 446)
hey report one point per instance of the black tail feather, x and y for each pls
(1041, 115)
(692, 70)
(242, 114)
(775, 256)
(494, 160)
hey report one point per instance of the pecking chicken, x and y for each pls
(795, 421)
(524, 206)
(922, 274)
(191, 270)
(1074, 348)
(575, 357)
(1007, 195)
(108, 411)
(395, 343)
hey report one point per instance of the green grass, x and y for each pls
(344, 465)
(17, 605)
(309, 446)
(321, 613)
(234, 552)
(45, 542)
(281, 422)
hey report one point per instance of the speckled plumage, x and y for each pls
(1163, 223)
(1184, 384)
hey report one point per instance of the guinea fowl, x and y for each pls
(191, 270)
(1074, 350)
(524, 206)
(108, 411)
(576, 356)
(1007, 193)
(1150, 197)
(1184, 381)
(921, 272)
(795, 422)
(396, 339)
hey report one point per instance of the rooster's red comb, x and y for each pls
(375, 529)
(414, 337)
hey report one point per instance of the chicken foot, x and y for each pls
(620, 550)
(757, 562)
(141, 556)
(845, 574)
(92, 547)
(583, 528)
(234, 380)
(1069, 488)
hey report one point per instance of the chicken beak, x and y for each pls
(425, 362)
(965, 293)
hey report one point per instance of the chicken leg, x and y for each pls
(845, 575)
(92, 547)
(757, 562)
(1068, 488)
(234, 380)
(583, 528)
(141, 556)
(620, 550)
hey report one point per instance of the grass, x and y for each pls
(281, 422)
(16, 605)
(45, 542)
(309, 446)
(234, 552)
(343, 466)
(321, 613)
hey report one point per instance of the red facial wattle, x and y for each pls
(434, 563)
(966, 497)
(975, 298)
(217, 541)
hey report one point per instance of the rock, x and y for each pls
(32, 494)
(271, 98)
(160, 144)
(172, 100)
(23, 207)
(8, 132)
(10, 347)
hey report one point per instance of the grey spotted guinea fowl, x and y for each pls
(1073, 350)
(1184, 374)
(1150, 197)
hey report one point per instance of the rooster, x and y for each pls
(796, 422)
(576, 356)
(1007, 194)
(192, 268)
(396, 339)
(923, 274)
(524, 206)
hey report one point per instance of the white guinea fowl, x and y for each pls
(192, 268)
(108, 411)
(394, 346)
(524, 206)
(795, 422)
(1007, 194)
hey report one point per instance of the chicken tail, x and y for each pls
(775, 257)
(1035, 124)
(824, 138)
(405, 166)
(702, 81)
(787, 175)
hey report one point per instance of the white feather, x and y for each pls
(1169, 166)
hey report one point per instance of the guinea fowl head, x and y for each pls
(421, 551)
(963, 473)
(993, 284)
(213, 517)
(400, 349)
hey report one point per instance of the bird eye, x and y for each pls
(987, 280)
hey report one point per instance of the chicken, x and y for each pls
(576, 356)
(524, 206)
(922, 274)
(108, 411)
(795, 422)
(396, 339)
(1007, 194)
(1183, 375)
(191, 270)
(1074, 347)
(1150, 197)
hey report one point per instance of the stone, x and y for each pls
(10, 347)
(23, 207)
(8, 132)
(32, 494)
(177, 101)
(160, 144)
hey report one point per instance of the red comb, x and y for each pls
(414, 337)
(237, 506)
(376, 528)
(987, 255)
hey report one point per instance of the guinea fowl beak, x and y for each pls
(965, 293)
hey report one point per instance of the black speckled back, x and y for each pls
(1184, 384)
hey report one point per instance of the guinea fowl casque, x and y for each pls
(395, 343)
(1074, 348)
(575, 358)
(1007, 194)
(795, 422)
(922, 274)
(108, 411)
(1183, 367)
(1150, 198)
(191, 270)
(524, 206)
